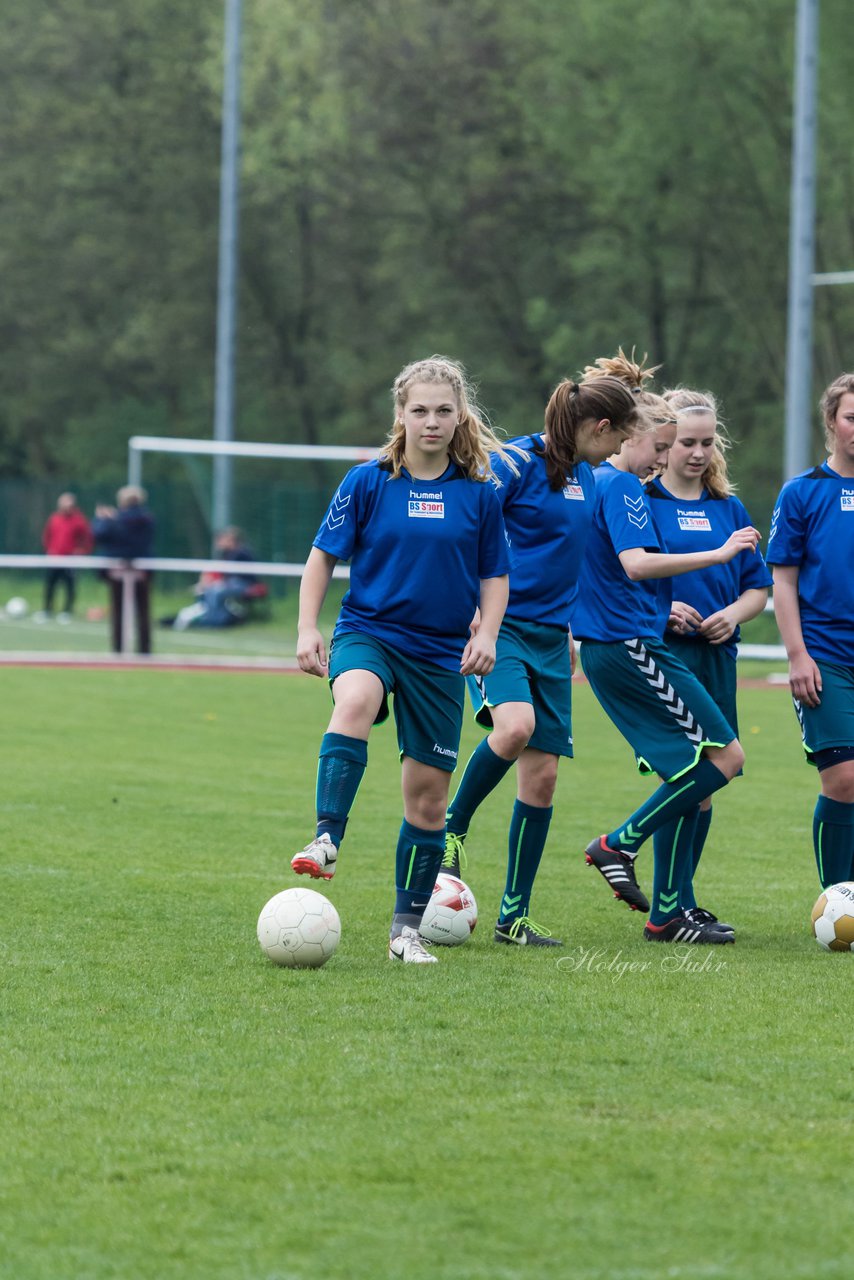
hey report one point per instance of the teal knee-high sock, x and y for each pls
(417, 863)
(833, 840)
(340, 770)
(670, 860)
(529, 828)
(482, 774)
(670, 801)
(673, 844)
(701, 831)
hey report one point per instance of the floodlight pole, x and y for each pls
(229, 219)
(801, 244)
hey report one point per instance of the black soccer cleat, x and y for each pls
(698, 915)
(524, 932)
(619, 870)
(681, 929)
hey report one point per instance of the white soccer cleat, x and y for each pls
(318, 859)
(409, 947)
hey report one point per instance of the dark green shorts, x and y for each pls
(659, 706)
(531, 665)
(831, 723)
(428, 700)
(713, 667)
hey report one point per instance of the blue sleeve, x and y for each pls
(786, 544)
(507, 477)
(626, 513)
(752, 570)
(494, 559)
(339, 532)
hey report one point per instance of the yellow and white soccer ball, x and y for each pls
(833, 917)
(299, 928)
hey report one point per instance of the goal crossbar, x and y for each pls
(139, 445)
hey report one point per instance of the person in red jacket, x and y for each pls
(66, 533)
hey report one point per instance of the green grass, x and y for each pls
(177, 1107)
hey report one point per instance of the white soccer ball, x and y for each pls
(451, 913)
(299, 928)
(833, 917)
(17, 607)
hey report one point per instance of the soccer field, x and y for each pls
(177, 1107)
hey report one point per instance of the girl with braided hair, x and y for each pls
(422, 528)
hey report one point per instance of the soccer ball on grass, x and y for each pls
(451, 913)
(833, 917)
(17, 607)
(299, 928)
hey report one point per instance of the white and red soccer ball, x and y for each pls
(451, 913)
(833, 917)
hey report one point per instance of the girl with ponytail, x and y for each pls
(525, 701)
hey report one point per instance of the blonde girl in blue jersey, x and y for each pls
(423, 531)
(695, 508)
(658, 705)
(547, 499)
(811, 550)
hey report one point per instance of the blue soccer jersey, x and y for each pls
(610, 606)
(702, 525)
(813, 528)
(548, 531)
(418, 551)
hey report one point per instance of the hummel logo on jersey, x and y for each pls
(636, 515)
(337, 510)
(574, 491)
(444, 751)
(847, 499)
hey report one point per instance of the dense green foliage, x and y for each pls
(176, 1107)
(523, 186)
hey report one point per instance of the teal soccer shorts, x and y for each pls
(428, 700)
(828, 729)
(531, 665)
(713, 667)
(658, 705)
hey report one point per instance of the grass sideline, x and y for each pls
(176, 1107)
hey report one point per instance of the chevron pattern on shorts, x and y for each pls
(658, 681)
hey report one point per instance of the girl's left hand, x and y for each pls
(478, 656)
(717, 628)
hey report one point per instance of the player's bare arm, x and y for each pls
(311, 648)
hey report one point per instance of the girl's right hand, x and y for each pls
(805, 680)
(746, 539)
(311, 652)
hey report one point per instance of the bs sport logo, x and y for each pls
(426, 506)
(846, 499)
(693, 520)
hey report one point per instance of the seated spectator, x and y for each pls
(221, 595)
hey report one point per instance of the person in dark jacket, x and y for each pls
(126, 531)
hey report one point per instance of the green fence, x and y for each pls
(279, 518)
